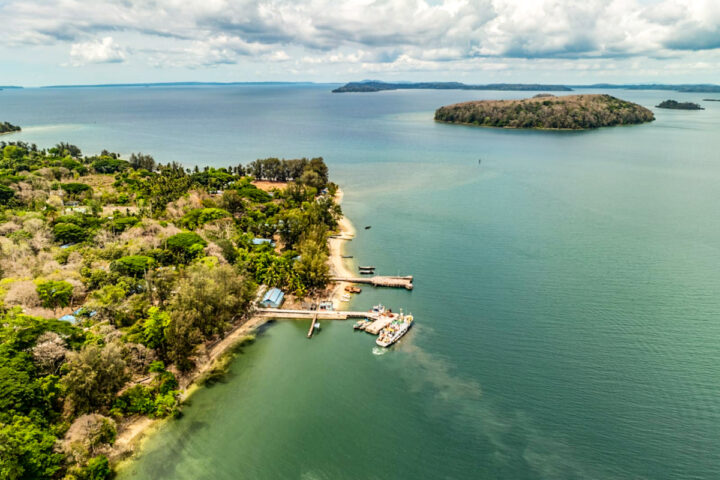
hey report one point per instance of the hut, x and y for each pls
(273, 298)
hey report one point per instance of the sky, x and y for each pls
(66, 42)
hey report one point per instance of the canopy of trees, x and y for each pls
(572, 112)
(161, 262)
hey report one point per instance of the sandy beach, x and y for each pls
(338, 265)
(134, 430)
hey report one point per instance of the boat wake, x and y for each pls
(379, 351)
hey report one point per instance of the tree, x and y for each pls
(185, 246)
(133, 265)
(312, 267)
(69, 233)
(54, 294)
(75, 189)
(6, 194)
(93, 377)
(208, 300)
(26, 451)
(138, 161)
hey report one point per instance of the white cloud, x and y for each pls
(96, 51)
(387, 34)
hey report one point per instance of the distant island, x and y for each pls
(377, 86)
(572, 112)
(6, 127)
(675, 105)
(711, 99)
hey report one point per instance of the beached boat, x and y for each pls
(353, 289)
(395, 330)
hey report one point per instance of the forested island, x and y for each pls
(116, 275)
(572, 112)
(675, 105)
(377, 86)
(6, 127)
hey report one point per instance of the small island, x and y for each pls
(675, 105)
(711, 99)
(572, 112)
(6, 127)
(377, 86)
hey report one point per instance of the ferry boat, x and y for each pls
(394, 332)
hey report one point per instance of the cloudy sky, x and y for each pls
(47, 42)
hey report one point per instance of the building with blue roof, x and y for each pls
(273, 298)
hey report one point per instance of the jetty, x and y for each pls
(312, 326)
(317, 314)
(380, 281)
(381, 322)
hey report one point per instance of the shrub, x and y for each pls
(75, 188)
(69, 233)
(54, 294)
(186, 246)
(200, 216)
(6, 194)
(109, 165)
(133, 265)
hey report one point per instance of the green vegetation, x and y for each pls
(6, 127)
(573, 112)
(154, 262)
(675, 105)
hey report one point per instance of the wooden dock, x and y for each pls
(312, 326)
(317, 314)
(380, 281)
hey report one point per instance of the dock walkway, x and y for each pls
(319, 314)
(380, 281)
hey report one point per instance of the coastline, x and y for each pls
(134, 431)
(336, 244)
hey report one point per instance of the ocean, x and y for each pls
(566, 293)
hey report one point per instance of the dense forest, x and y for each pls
(675, 105)
(573, 112)
(6, 127)
(116, 274)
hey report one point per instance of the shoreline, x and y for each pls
(132, 433)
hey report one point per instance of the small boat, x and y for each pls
(366, 268)
(379, 308)
(361, 324)
(317, 325)
(347, 256)
(353, 289)
(368, 227)
(367, 272)
(345, 298)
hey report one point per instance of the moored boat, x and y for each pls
(395, 330)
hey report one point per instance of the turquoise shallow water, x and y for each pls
(566, 289)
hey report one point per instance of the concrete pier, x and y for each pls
(380, 281)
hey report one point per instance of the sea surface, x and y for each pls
(567, 292)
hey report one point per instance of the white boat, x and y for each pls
(395, 330)
(379, 308)
(345, 298)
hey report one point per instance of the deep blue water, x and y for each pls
(566, 288)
